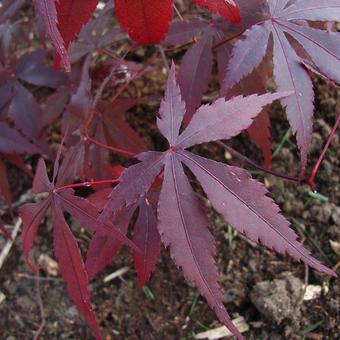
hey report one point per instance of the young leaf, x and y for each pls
(289, 70)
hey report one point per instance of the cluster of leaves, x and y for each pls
(34, 95)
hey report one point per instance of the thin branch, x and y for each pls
(86, 184)
(99, 93)
(256, 165)
(224, 41)
(311, 177)
(178, 13)
(110, 148)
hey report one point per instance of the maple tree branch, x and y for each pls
(224, 41)
(86, 184)
(107, 147)
(256, 165)
(99, 93)
(311, 177)
(125, 85)
(177, 12)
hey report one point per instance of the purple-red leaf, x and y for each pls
(318, 10)
(133, 184)
(224, 119)
(31, 215)
(247, 54)
(243, 203)
(195, 74)
(322, 47)
(48, 14)
(289, 75)
(183, 227)
(12, 142)
(259, 131)
(72, 267)
(104, 247)
(172, 109)
(147, 239)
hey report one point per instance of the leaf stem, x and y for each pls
(110, 148)
(224, 41)
(87, 184)
(311, 177)
(99, 93)
(256, 165)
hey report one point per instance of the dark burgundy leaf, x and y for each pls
(32, 215)
(72, 267)
(243, 203)
(48, 14)
(289, 70)
(12, 142)
(195, 74)
(183, 227)
(146, 238)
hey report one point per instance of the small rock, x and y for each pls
(2, 297)
(312, 292)
(335, 246)
(277, 300)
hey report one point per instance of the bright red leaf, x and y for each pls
(146, 21)
(226, 8)
(72, 16)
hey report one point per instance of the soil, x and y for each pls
(169, 308)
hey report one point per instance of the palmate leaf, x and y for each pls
(66, 249)
(322, 47)
(181, 219)
(194, 72)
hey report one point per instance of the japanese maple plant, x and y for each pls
(283, 40)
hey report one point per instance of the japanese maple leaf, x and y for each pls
(147, 21)
(71, 265)
(103, 248)
(321, 48)
(196, 67)
(12, 144)
(181, 218)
